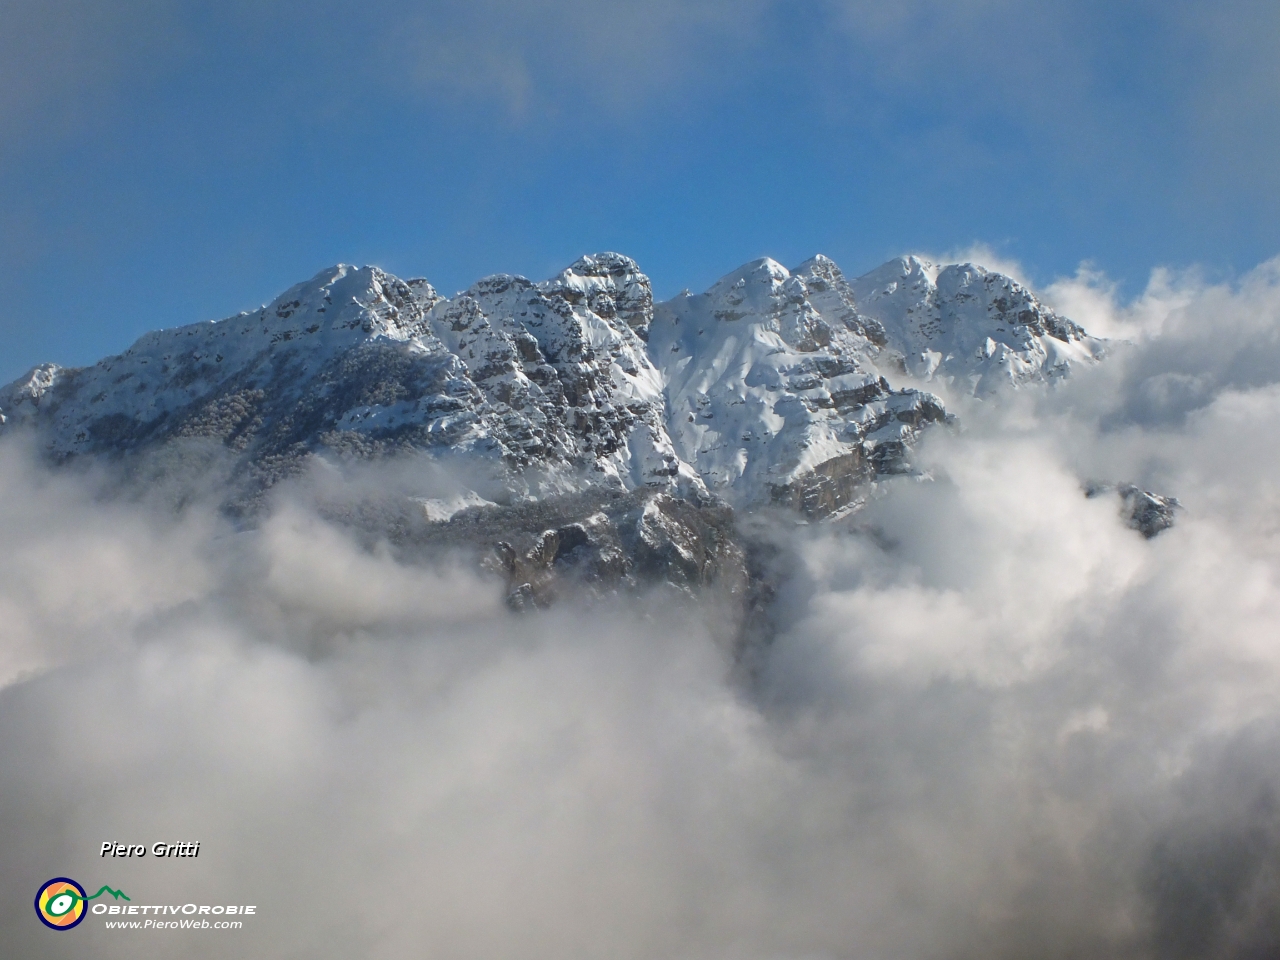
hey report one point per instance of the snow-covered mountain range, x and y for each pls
(772, 386)
(600, 436)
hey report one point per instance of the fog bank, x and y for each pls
(995, 722)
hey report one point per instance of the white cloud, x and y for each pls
(993, 718)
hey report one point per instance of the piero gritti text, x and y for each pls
(158, 849)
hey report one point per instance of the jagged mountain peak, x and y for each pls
(774, 392)
(756, 284)
(609, 285)
(595, 421)
(497, 283)
(819, 270)
(22, 397)
(973, 328)
(606, 264)
(819, 261)
(773, 385)
(910, 270)
(343, 283)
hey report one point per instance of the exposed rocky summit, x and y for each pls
(770, 387)
(616, 435)
(979, 330)
(1148, 513)
(776, 388)
(357, 363)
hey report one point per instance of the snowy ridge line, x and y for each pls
(773, 386)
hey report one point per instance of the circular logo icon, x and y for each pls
(60, 903)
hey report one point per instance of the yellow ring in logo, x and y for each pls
(60, 903)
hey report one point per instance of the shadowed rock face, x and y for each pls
(595, 542)
(602, 541)
(1148, 513)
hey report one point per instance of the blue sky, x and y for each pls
(163, 162)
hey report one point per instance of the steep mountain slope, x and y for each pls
(530, 379)
(589, 436)
(775, 391)
(771, 387)
(980, 331)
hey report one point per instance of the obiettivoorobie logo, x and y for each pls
(60, 902)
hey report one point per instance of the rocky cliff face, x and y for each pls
(625, 432)
(1148, 513)
(978, 330)
(771, 387)
(776, 388)
(356, 363)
